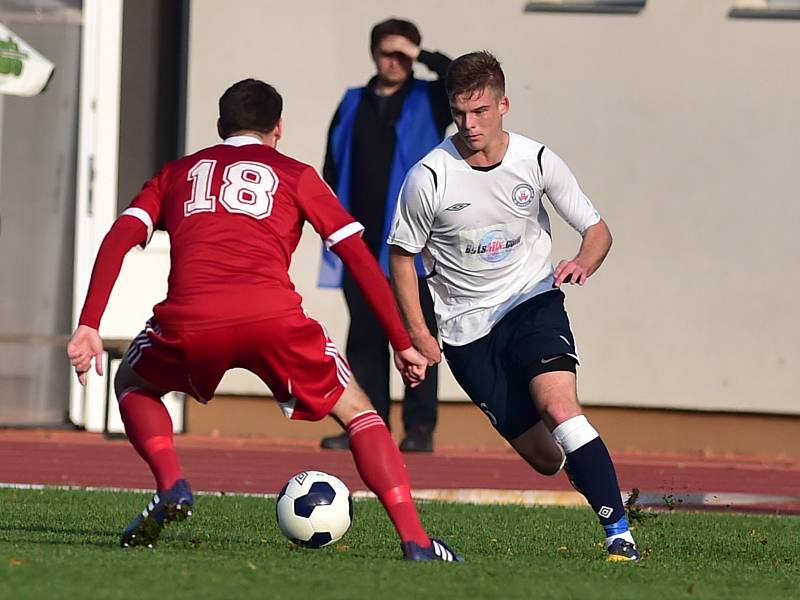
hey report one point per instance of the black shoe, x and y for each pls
(336, 442)
(438, 550)
(417, 440)
(175, 504)
(622, 551)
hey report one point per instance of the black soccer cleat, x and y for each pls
(622, 550)
(175, 504)
(438, 550)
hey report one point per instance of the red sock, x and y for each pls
(149, 428)
(382, 468)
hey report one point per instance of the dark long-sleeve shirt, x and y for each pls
(374, 140)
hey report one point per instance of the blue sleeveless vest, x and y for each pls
(417, 133)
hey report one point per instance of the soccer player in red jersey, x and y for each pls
(234, 213)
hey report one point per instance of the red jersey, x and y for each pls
(235, 213)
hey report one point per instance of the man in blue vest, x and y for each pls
(379, 132)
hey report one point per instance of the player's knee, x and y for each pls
(558, 407)
(559, 412)
(555, 396)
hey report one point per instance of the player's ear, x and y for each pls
(219, 129)
(504, 105)
(278, 131)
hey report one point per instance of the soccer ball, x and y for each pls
(314, 509)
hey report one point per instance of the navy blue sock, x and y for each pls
(592, 473)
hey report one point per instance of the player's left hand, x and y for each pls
(570, 271)
(84, 346)
(412, 366)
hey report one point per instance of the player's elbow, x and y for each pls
(600, 234)
(609, 237)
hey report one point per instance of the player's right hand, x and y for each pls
(84, 346)
(412, 366)
(570, 271)
(428, 347)
(401, 44)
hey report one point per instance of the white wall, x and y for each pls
(681, 124)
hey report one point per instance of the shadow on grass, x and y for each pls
(84, 535)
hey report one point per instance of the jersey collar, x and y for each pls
(241, 140)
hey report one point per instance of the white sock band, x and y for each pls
(363, 412)
(574, 433)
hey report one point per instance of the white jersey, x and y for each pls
(485, 235)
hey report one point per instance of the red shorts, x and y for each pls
(293, 355)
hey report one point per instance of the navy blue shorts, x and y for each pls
(495, 371)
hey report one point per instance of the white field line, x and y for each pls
(484, 496)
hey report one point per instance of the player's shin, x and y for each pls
(381, 466)
(591, 472)
(149, 429)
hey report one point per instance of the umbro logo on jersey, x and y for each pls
(459, 206)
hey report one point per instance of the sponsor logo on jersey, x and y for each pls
(457, 207)
(493, 247)
(522, 195)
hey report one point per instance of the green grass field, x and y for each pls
(63, 544)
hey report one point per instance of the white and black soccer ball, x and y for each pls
(314, 509)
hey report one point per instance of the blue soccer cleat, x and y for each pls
(622, 550)
(438, 550)
(175, 504)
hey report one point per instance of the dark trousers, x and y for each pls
(369, 358)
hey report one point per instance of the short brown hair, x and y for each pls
(394, 27)
(472, 73)
(249, 104)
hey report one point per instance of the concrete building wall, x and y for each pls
(37, 207)
(681, 124)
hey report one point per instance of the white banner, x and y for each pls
(23, 71)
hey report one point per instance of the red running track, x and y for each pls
(74, 458)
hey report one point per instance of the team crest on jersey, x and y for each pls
(522, 195)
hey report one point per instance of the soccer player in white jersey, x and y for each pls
(474, 208)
